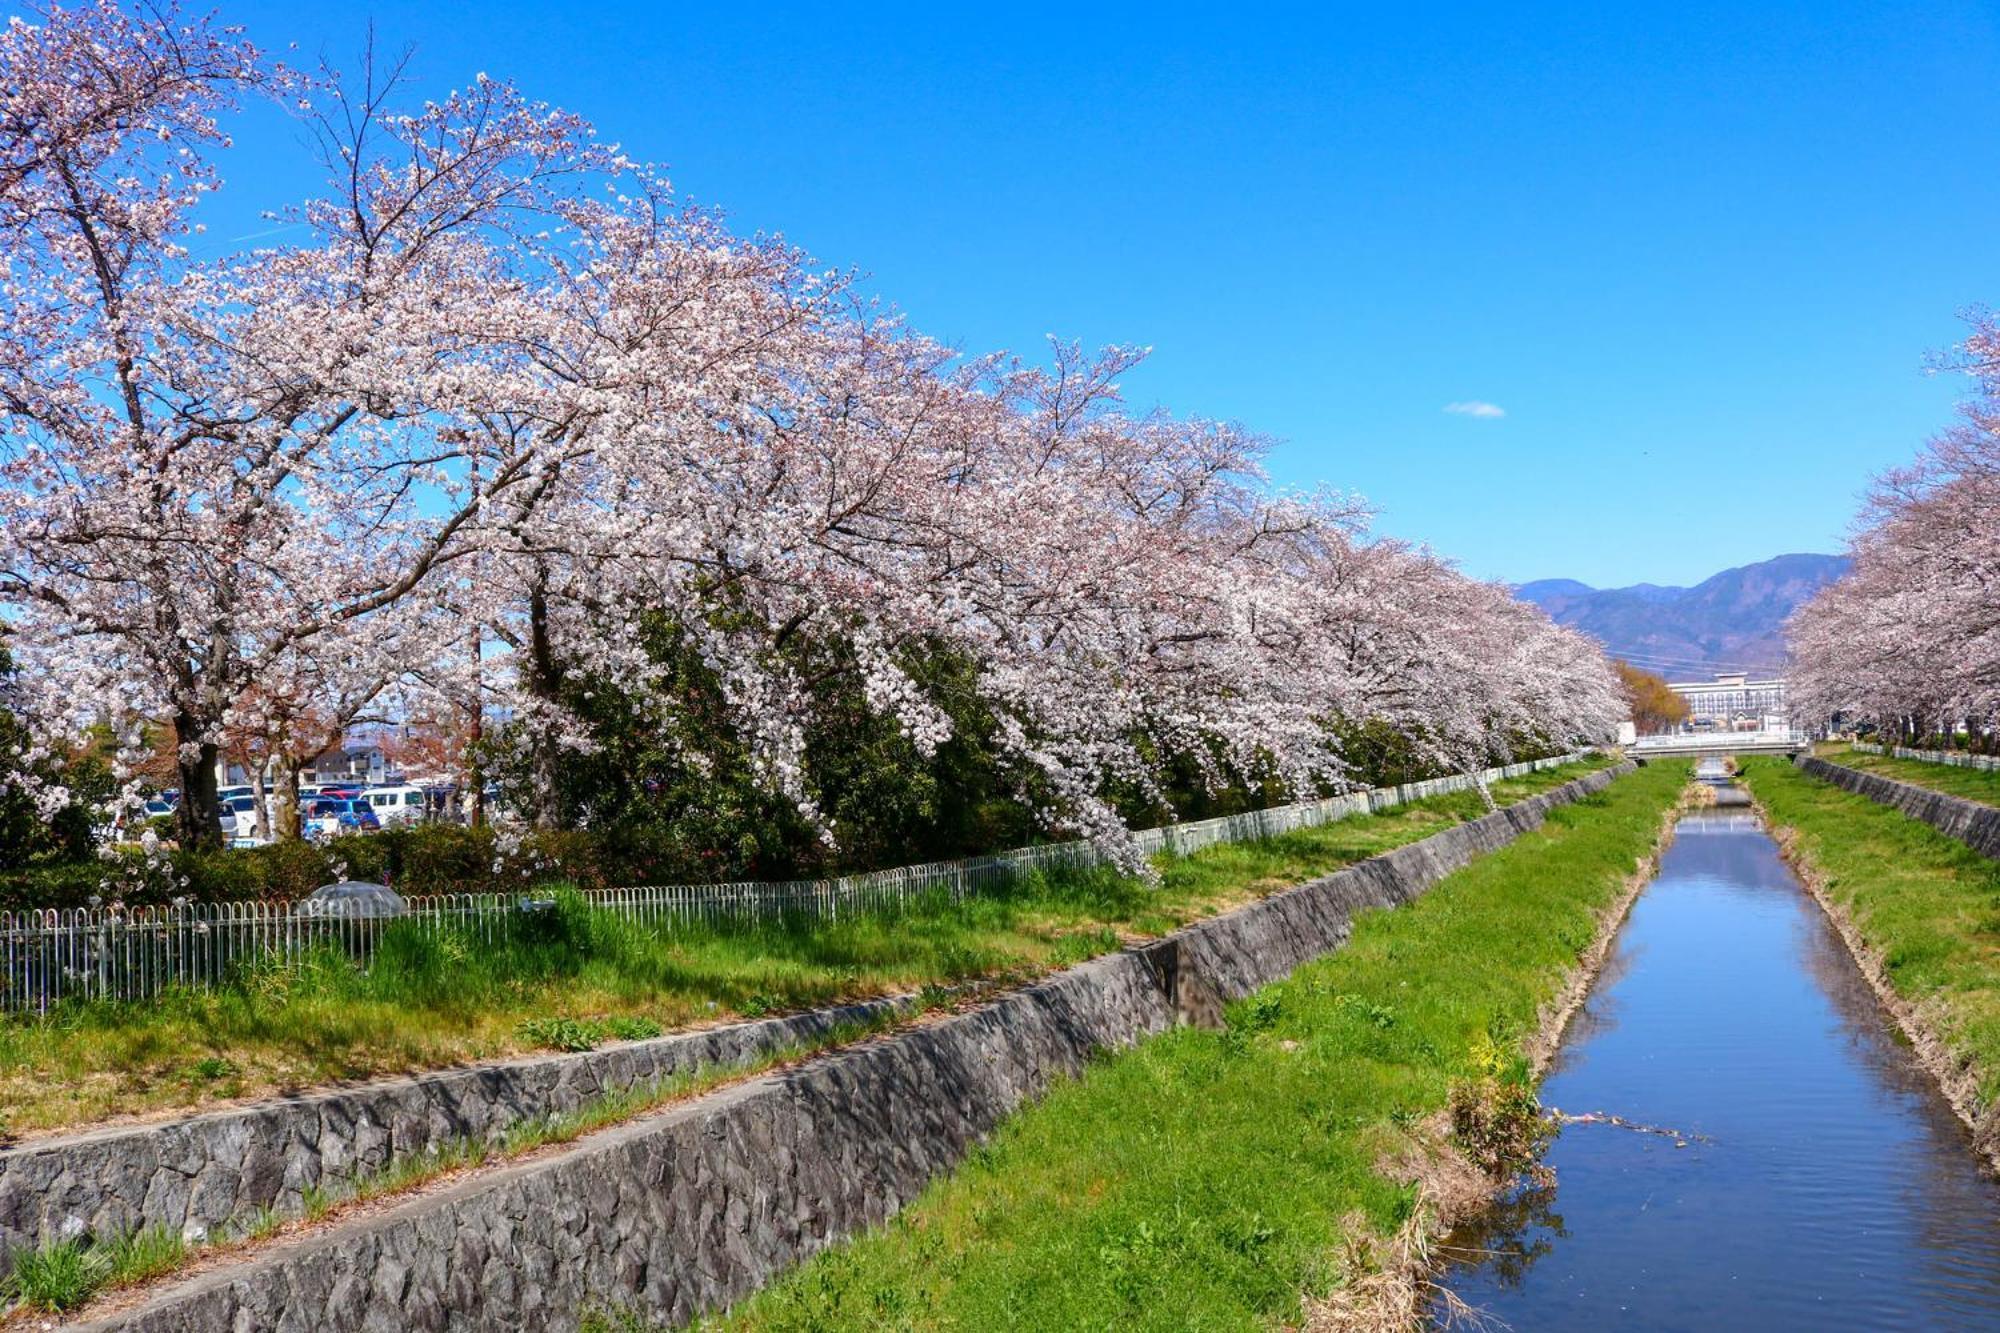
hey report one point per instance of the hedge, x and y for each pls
(437, 859)
(447, 858)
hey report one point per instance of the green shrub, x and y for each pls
(71, 885)
(435, 858)
(281, 872)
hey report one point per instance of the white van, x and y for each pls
(239, 815)
(396, 805)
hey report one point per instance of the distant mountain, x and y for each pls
(1733, 620)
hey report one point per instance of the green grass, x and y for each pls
(582, 975)
(1974, 784)
(1206, 1179)
(1926, 903)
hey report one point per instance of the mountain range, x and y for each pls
(1732, 621)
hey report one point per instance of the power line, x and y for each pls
(1654, 662)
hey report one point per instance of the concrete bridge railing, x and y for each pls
(1724, 743)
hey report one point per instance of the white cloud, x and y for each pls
(1475, 408)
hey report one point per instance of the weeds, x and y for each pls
(316, 1201)
(580, 1034)
(210, 1068)
(144, 1254)
(632, 1028)
(260, 1225)
(562, 1034)
(59, 1276)
(1496, 1119)
(65, 1274)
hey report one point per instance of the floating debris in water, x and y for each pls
(1680, 1137)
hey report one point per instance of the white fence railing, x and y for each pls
(1986, 762)
(48, 956)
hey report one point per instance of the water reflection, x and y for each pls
(1834, 1189)
(1509, 1237)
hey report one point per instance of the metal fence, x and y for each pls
(48, 956)
(1956, 758)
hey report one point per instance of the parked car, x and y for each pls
(329, 816)
(239, 816)
(396, 805)
(158, 806)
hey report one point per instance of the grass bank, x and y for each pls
(1974, 784)
(1213, 1179)
(432, 1000)
(1926, 909)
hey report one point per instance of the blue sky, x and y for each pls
(1696, 254)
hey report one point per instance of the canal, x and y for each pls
(1806, 1173)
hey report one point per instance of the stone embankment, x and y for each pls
(695, 1206)
(1975, 825)
(200, 1175)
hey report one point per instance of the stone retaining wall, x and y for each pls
(694, 1207)
(1975, 825)
(200, 1174)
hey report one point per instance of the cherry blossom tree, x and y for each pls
(506, 402)
(1909, 640)
(210, 463)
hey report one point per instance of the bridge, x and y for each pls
(1718, 743)
(1696, 744)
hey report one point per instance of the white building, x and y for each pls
(355, 761)
(1734, 701)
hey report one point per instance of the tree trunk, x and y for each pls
(284, 800)
(473, 798)
(548, 806)
(260, 797)
(544, 682)
(1474, 770)
(198, 821)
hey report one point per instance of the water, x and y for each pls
(1833, 1188)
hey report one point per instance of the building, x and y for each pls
(1735, 702)
(356, 761)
